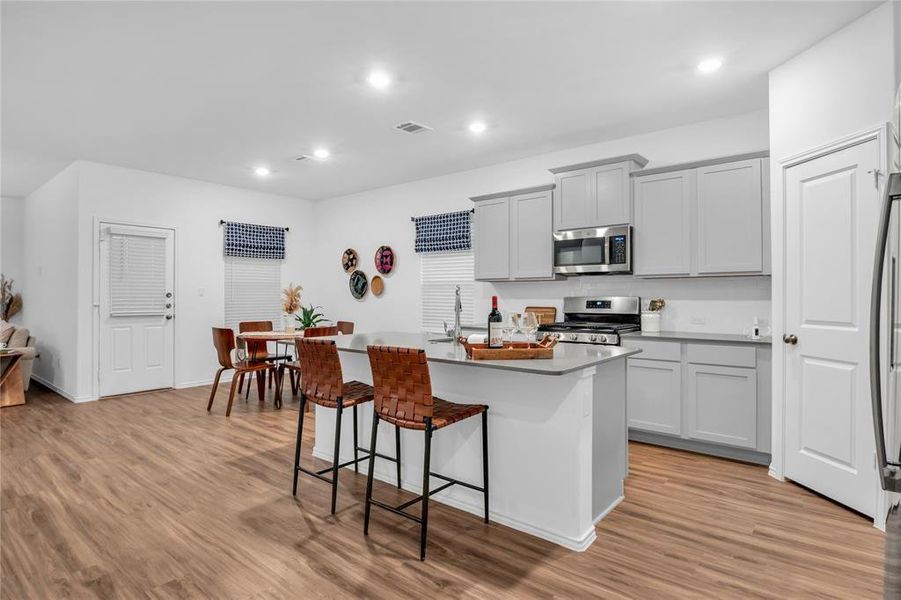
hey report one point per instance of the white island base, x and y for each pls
(557, 443)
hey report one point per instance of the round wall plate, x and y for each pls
(358, 284)
(377, 285)
(385, 259)
(349, 260)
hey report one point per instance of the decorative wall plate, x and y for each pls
(384, 260)
(377, 285)
(349, 260)
(358, 284)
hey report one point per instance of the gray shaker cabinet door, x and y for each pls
(574, 205)
(730, 218)
(531, 236)
(662, 233)
(491, 242)
(654, 397)
(613, 197)
(721, 405)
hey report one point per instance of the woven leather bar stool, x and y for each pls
(403, 396)
(322, 383)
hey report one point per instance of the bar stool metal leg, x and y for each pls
(303, 402)
(485, 459)
(337, 455)
(368, 509)
(424, 526)
(397, 453)
(356, 443)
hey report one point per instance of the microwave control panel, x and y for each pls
(618, 250)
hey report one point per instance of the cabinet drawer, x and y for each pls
(654, 350)
(729, 356)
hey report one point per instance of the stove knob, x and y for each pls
(574, 336)
(603, 339)
(592, 338)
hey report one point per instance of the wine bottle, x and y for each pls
(495, 337)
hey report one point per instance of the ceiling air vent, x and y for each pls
(412, 127)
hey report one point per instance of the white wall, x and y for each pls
(12, 245)
(50, 288)
(194, 209)
(366, 220)
(841, 86)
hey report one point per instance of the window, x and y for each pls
(137, 274)
(252, 290)
(440, 273)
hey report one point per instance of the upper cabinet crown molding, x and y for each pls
(518, 192)
(702, 163)
(638, 159)
(596, 193)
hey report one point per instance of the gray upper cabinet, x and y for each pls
(730, 218)
(531, 240)
(594, 194)
(513, 235)
(662, 229)
(491, 239)
(706, 218)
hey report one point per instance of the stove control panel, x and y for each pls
(605, 339)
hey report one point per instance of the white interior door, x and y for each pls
(832, 207)
(136, 309)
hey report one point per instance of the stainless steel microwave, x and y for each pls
(597, 250)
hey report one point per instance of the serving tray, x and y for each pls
(511, 351)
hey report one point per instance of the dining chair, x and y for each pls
(258, 350)
(224, 342)
(345, 327)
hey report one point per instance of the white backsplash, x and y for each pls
(710, 304)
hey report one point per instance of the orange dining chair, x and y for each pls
(224, 342)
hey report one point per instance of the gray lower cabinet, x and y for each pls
(654, 395)
(721, 405)
(708, 397)
(513, 235)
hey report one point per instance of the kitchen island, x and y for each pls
(557, 433)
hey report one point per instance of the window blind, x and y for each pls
(252, 291)
(440, 273)
(137, 275)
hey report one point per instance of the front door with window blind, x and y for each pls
(136, 309)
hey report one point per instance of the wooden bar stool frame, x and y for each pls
(328, 388)
(416, 411)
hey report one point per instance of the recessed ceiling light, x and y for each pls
(477, 127)
(321, 153)
(262, 171)
(379, 80)
(709, 65)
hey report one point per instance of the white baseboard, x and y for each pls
(61, 392)
(609, 509)
(226, 378)
(580, 544)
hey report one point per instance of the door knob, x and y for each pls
(168, 317)
(790, 339)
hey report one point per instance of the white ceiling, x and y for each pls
(208, 90)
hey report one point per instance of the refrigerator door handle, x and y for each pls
(889, 475)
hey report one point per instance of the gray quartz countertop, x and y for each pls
(567, 357)
(697, 336)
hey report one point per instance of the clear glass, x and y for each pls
(528, 324)
(241, 353)
(507, 327)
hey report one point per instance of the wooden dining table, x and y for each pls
(269, 336)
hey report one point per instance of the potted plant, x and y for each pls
(308, 316)
(291, 304)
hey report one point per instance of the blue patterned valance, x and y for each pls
(444, 232)
(254, 241)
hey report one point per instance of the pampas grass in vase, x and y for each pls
(291, 304)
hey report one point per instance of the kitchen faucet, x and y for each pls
(457, 331)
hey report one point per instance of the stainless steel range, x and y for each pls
(596, 320)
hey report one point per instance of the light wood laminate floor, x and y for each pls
(148, 496)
